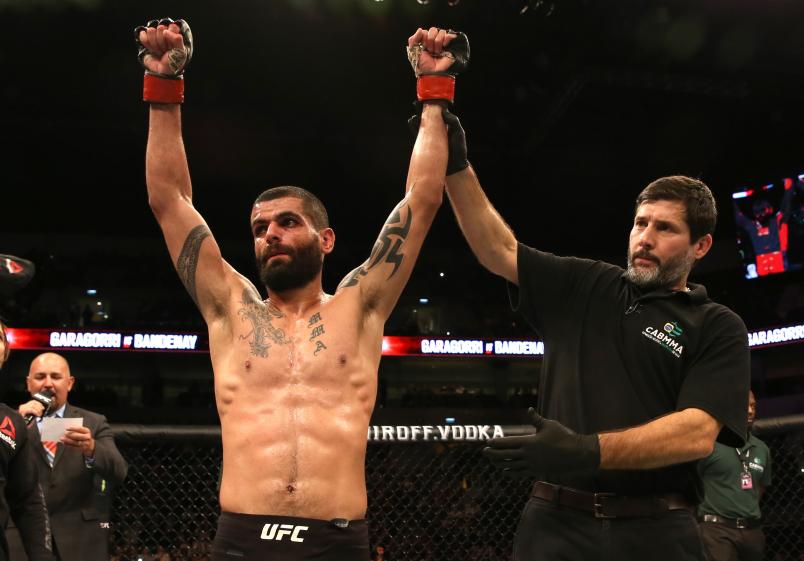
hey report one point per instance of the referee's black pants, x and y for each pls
(547, 532)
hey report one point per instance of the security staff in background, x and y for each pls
(77, 473)
(734, 481)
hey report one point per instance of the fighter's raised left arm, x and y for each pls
(382, 277)
(436, 55)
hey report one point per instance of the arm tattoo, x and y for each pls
(385, 249)
(353, 278)
(260, 316)
(187, 262)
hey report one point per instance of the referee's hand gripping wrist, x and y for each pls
(552, 450)
(456, 140)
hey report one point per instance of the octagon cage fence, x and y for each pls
(432, 495)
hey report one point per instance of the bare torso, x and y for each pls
(294, 395)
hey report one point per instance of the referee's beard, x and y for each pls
(665, 274)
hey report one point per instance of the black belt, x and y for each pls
(610, 505)
(732, 522)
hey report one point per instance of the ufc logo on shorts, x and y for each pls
(278, 531)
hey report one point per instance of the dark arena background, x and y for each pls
(571, 107)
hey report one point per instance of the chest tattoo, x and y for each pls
(317, 325)
(263, 332)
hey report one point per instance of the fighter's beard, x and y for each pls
(303, 266)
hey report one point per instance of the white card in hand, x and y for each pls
(52, 428)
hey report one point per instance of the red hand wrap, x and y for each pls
(163, 90)
(435, 86)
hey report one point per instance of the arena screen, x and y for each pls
(770, 227)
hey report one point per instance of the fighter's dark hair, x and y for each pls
(700, 208)
(312, 205)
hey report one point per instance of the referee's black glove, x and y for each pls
(456, 140)
(552, 450)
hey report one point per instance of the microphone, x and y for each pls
(46, 399)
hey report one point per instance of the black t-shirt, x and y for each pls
(617, 357)
(21, 497)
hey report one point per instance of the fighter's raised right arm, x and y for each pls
(491, 239)
(192, 248)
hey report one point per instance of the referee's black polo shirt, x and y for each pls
(616, 357)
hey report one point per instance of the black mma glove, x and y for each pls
(456, 140)
(552, 450)
(166, 86)
(435, 86)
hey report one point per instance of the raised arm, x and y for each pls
(786, 206)
(383, 276)
(491, 239)
(166, 49)
(742, 220)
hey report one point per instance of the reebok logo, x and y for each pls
(12, 266)
(8, 433)
(278, 531)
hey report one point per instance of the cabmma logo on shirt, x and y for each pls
(756, 465)
(8, 433)
(666, 337)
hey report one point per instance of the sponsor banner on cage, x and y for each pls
(44, 339)
(446, 346)
(129, 340)
(433, 433)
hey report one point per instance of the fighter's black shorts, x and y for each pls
(257, 537)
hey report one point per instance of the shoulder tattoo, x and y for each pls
(187, 262)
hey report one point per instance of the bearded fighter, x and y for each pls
(296, 372)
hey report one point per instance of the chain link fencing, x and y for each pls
(428, 500)
(783, 504)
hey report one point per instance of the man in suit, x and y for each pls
(77, 473)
